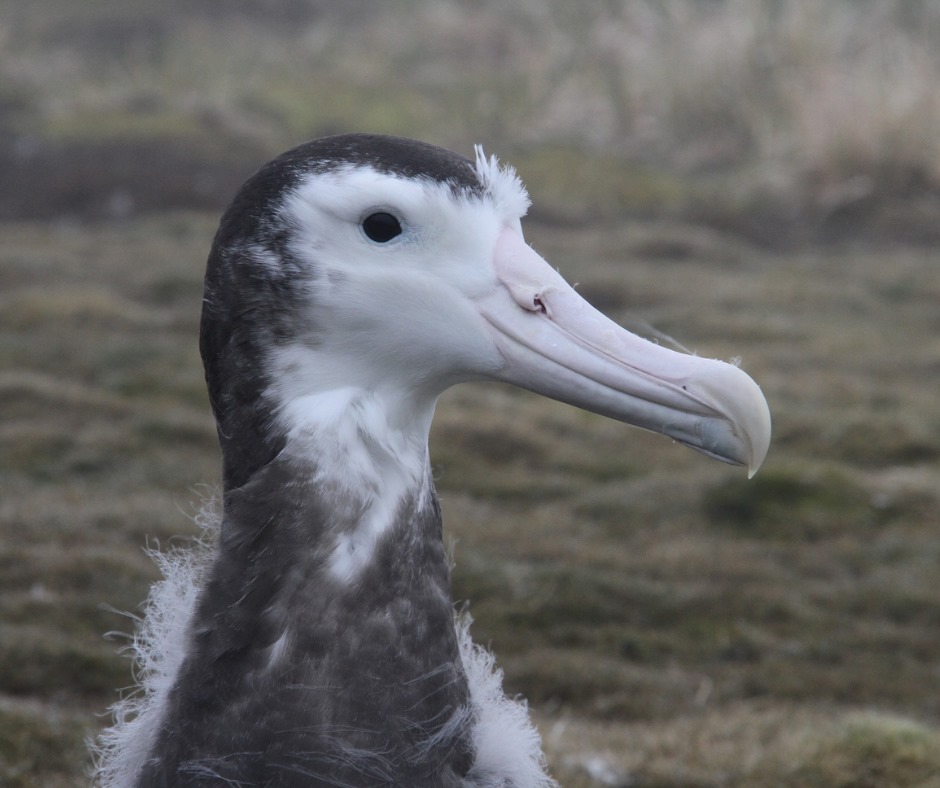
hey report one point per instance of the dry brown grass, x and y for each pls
(671, 623)
(689, 627)
(780, 121)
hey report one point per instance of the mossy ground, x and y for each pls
(671, 623)
(636, 593)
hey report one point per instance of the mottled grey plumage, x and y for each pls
(369, 679)
(321, 648)
(368, 687)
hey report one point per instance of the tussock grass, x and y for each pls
(654, 607)
(750, 744)
(780, 121)
(39, 739)
(672, 624)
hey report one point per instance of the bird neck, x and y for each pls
(328, 608)
(343, 506)
(302, 564)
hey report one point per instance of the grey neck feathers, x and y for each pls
(295, 678)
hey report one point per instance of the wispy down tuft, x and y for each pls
(157, 648)
(502, 184)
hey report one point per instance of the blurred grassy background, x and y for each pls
(758, 179)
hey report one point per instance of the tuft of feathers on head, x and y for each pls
(502, 184)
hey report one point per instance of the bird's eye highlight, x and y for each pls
(381, 227)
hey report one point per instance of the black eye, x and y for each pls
(381, 227)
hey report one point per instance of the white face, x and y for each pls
(458, 295)
(400, 313)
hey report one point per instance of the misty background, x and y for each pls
(759, 179)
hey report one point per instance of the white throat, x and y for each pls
(366, 450)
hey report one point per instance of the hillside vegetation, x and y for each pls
(758, 180)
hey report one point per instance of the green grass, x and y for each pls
(744, 116)
(672, 623)
(40, 745)
(631, 589)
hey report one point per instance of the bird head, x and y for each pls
(376, 264)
